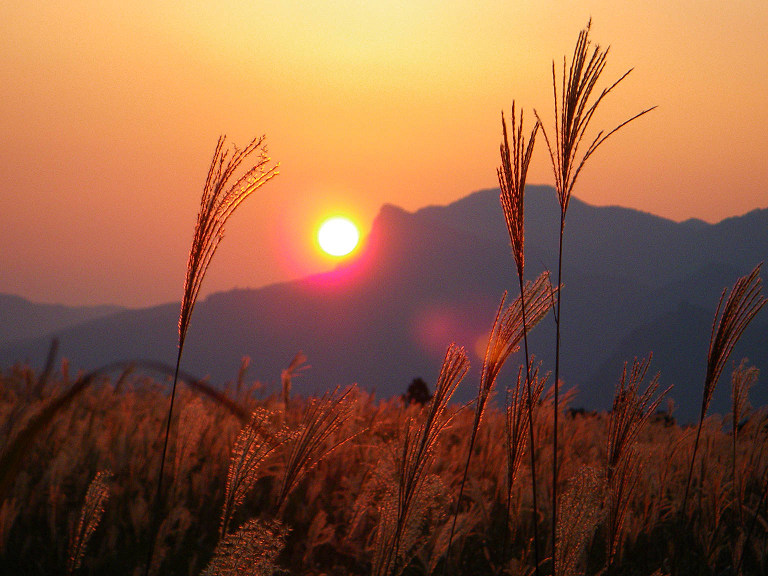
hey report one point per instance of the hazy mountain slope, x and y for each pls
(21, 319)
(380, 321)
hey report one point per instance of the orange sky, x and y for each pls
(109, 114)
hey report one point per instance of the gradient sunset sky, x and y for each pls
(110, 111)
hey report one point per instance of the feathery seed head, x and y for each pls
(512, 174)
(90, 516)
(220, 199)
(743, 304)
(574, 109)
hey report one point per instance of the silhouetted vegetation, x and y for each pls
(417, 392)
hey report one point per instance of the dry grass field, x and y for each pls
(342, 509)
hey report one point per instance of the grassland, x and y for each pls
(331, 521)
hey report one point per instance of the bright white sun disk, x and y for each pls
(338, 236)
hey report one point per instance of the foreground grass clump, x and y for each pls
(627, 508)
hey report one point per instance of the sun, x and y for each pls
(338, 236)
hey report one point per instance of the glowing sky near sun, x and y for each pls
(109, 113)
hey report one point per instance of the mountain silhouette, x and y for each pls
(633, 283)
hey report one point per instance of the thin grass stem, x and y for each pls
(574, 108)
(221, 197)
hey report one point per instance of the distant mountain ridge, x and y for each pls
(633, 283)
(21, 319)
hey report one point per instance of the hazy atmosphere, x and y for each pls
(110, 113)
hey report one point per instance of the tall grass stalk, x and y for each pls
(512, 175)
(222, 194)
(574, 107)
(742, 305)
(517, 429)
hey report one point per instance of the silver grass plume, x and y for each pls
(742, 379)
(416, 457)
(631, 411)
(508, 330)
(426, 511)
(574, 109)
(90, 516)
(220, 199)
(743, 304)
(297, 365)
(512, 175)
(581, 512)
(516, 423)
(321, 420)
(251, 551)
(256, 441)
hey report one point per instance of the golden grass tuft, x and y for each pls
(581, 512)
(630, 413)
(251, 551)
(322, 419)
